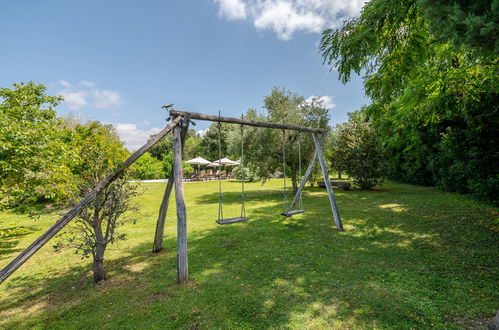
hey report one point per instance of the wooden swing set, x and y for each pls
(179, 125)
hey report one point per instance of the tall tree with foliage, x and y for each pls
(263, 147)
(471, 24)
(98, 224)
(432, 102)
(33, 155)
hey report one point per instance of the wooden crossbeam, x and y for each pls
(247, 122)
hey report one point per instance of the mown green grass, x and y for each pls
(411, 257)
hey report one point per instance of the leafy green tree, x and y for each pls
(33, 157)
(472, 24)
(357, 150)
(98, 224)
(263, 147)
(432, 103)
(208, 146)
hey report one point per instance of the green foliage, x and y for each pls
(263, 147)
(472, 24)
(208, 146)
(246, 172)
(162, 148)
(167, 165)
(192, 146)
(33, 157)
(147, 167)
(357, 150)
(100, 151)
(433, 104)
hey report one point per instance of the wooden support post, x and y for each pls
(160, 224)
(305, 177)
(182, 266)
(65, 219)
(332, 199)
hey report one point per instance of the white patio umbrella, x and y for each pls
(198, 161)
(225, 161)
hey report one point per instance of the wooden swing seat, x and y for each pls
(292, 212)
(231, 220)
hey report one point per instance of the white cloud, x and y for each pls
(286, 17)
(64, 83)
(87, 83)
(106, 98)
(133, 136)
(74, 100)
(78, 97)
(201, 132)
(232, 9)
(326, 101)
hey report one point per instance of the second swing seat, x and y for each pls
(292, 212)
(227, 221)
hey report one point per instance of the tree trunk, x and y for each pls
(99, 273)
(339, 174)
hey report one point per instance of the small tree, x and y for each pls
(356, 149)
(97, 225)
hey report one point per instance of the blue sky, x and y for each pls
(119, 61)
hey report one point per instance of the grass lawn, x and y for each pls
(411, 257)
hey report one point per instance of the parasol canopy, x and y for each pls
(198, 161)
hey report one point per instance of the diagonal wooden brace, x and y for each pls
(305, 177)
(332, 199)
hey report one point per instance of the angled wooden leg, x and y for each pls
(305, 177)
(332, 199)
(160, 224)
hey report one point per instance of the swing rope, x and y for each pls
(220, 197)
(221, 220)
(241, 164)
(300, 200)
(285, 193)
(288, 212)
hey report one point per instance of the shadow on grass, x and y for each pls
(394, 267)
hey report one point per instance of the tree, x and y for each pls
(263, 147)
(432, 103)
(208, 146)
(33, 157)
(357, 150)
(472, 24)
(97, 225)
(162, 148)
(147, 167)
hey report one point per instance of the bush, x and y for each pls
(147, 167)
(249, 175)
(357, 150)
